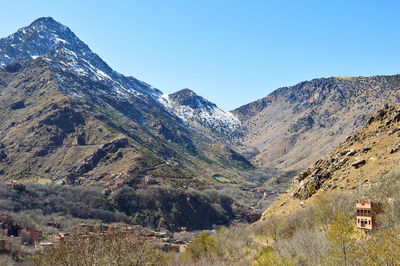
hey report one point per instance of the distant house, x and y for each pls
(46, 245)
(54, 224)
(36, 235)
(87, 228)
(61, 236)
(364, 215)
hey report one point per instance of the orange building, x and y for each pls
(36, 235)
(364, 214)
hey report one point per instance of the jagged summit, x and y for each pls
(44, 20)
(59, 46)
(50, 24)
(203, 114)
(34, 41)
(189, 98)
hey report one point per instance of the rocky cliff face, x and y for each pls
(294, 126)
(362, 158)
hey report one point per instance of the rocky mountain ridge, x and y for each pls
(98, 124)
(294, 126)
(356, 165)
(68, 116)
(204, 115)
(56, 44)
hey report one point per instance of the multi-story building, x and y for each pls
(364, 214)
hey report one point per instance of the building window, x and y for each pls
(363, 223)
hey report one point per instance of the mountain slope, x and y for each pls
(364, 157)
(59, 46)
(294, 126)
(68, 116)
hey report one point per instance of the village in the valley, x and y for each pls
(16, 241)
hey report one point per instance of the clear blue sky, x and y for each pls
(231, 52)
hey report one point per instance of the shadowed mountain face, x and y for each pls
(67, 116)
(294, 126)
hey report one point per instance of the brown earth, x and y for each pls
(45, 135)
(294, 126)
(362, 159)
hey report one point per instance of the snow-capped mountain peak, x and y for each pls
(197, 111)
(59, 46)
(34, 41)
(83, 74)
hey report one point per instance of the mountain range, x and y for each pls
(294, 126)
(81, 142)
(68, 117)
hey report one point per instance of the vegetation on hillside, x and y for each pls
(321, 233)
(324, 231)
(156, 207)
(116, 248)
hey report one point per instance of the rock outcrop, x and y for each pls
(362, 158)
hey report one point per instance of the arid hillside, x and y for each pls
(47, 135)
(294, 126)
(364, 158)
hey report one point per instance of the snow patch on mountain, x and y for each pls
(57, 45)
(48, 39)
(205, 114)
